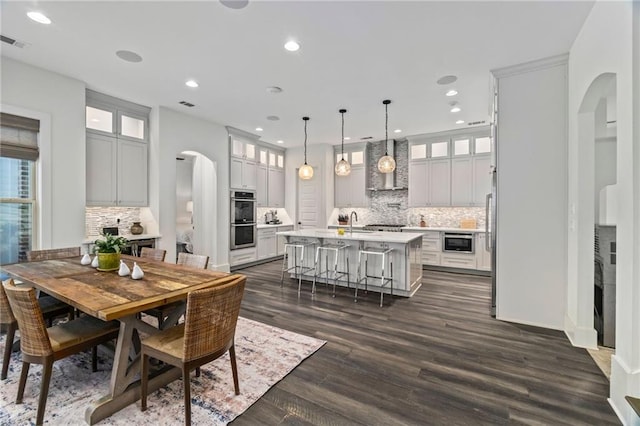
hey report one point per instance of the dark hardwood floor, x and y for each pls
(436, 358)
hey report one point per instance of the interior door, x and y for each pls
(308, 196)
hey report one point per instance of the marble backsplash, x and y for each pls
(390, 209)
(97, 218)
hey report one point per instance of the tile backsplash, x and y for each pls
(97, 218)
(386, 211)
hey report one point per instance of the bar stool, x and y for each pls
(336, 249)
(298, 270)
(382, 253)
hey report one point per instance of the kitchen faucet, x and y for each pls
(351, 221)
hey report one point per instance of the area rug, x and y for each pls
(265, 355)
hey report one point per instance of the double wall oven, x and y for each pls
(243, 219)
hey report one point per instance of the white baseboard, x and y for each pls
(225, 267)
(580, 337)
(623, 382)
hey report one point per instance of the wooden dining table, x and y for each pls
(108, 296)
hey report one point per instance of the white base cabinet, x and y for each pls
(432, 254)
(240, 256)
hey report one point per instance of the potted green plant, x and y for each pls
(108, 250)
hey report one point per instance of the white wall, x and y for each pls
(173, 133)
(531, 199)
(60, 101)
(609, 42)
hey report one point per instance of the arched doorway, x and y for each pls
(196, 204)
(593, 298)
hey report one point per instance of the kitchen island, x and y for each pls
(406, 256)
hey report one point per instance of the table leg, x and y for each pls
(124, 388)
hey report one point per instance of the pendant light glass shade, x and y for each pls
(305, 172)
(386, 163)
(343, 168)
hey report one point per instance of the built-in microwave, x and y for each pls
(457, 242)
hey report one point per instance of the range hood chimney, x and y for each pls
(388, 180)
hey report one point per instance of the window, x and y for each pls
(18, 156)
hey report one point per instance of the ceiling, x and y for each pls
(353, 55)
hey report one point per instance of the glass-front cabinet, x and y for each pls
(450, 169)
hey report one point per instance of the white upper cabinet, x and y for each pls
(449, 170)
(243, 149)
(461, 147)
(117, 151)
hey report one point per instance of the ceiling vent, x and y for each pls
(187, 104)
(13, 42)
(474, 123)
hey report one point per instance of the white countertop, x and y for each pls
(374, 237)
(92, 239)
(418, 228)
(269, 225)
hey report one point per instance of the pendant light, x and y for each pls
(386, 164)
(343, 168)
(306, 171)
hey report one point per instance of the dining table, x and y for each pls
(108, 296)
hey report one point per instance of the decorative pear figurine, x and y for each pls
(124, 269)
(137, 272)
(86, 259)
(94, 263)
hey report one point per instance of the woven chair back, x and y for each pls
(199, 261)
(210, 322)
(153, 254)
(34, 339)
(6, 314)
(51, 254)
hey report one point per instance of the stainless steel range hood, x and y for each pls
(389, 178)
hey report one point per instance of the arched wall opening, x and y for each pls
(196, 204)
(592, 303)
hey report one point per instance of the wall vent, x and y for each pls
(187, 104)
(14, 42)
(366, 138)
(475, 123)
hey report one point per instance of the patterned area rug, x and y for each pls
(265, 355)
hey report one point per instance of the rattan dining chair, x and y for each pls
(50, 308)
(51, 254)
(207, 334)
(153, 254)
(161, 313)
(199, 261)
(42, 345)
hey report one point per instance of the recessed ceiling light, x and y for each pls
(456, 109)
(347, 138)
(279, 141)
(447, 79)
(258, 129)
(129, 56)
(192, 83)
(451, 92)
(235, 4)
(273, 118)
(460, 122)
(39, 18)
(274, 89)
(291, 46)
(397, 131)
